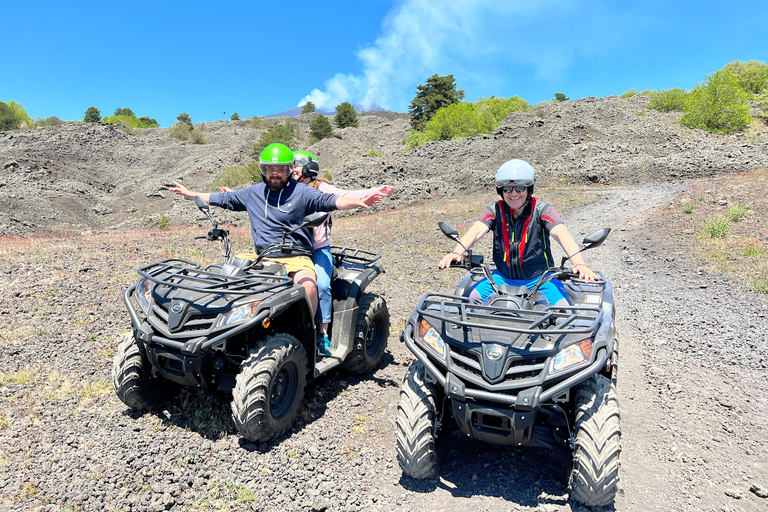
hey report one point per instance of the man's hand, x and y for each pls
(180, 189)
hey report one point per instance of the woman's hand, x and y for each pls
(585, 273)
(448, 259)
(384, 190)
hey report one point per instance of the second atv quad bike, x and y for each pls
(243, 326)
(516, 371)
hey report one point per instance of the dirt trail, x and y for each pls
(691, 384)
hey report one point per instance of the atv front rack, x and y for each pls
(179, 273)
(461, 311)
(357, 257)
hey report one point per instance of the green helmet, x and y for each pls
(275, 154)
(310, 167)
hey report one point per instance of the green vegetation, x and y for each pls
(751, 76)
(717, 227)
(14, 117)
(438, 92)
(320, 128)
(282, 133)
(124, 112)
(48, 121)
(668, 100)
(184, 118)
(131, 121)
(688, 208)
(308, 107)
(736, 212)
(346, 115)
(237, 175)
(185, 131)
(718, 105)
(92, 115)
(629, 93)
(560, 97)
(234, 117)
(163, 222)
(463, 119)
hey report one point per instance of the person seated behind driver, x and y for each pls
(521, 225)
(305, 170)
(277, 205)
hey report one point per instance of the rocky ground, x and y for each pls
(693, 350)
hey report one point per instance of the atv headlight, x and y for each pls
(431, 339)
(238, 314)
(144, 293)
(571, 356)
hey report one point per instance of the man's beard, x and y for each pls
(277, 183)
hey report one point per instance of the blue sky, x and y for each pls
(211, 59)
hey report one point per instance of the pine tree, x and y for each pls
(346, 115)
(92, 115)
(436, 93)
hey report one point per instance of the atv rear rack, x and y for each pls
(356, 257)
(461, 311)
(177, 273)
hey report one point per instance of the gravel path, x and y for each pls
(692, 388)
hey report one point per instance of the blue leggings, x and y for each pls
(323, 261)
(554, 290)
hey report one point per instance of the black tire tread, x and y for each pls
(359, 361)
(131, 382)
(595, 475)
(416, 449)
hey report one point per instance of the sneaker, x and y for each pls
(324, 345)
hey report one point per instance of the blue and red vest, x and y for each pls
(521, 246)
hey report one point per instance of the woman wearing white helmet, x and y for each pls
(521, 225)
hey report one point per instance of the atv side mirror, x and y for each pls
(314, 220)
(449, 231)
(596, 238)
(200, 203)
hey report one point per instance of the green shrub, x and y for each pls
(308, 107)
(124, 112)
(236, 175)
(320, 128)
(629, 93)
(132, 121)
(463, 119)
(197, 135)
(762, 103)
(180, 131)
(560, 97)
(48, 121)
(668, 100)
(751, 76)
(688, 208)
(14, 117)
(736, 212)
(184, 118)
(346, 115)
(234, 117)
(717, 227)
(282, 133)
(540, 113)
(719, 105)
(164, 222)
(92, 115)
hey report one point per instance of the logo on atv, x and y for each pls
(494, 352)
(177, 307)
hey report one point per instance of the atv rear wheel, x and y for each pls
(269, 388)
(595, 475)
(416, 428)
(371, 335)
(132, 380)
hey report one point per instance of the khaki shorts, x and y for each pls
(291, 263)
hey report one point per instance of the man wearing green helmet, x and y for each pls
(278, 205)
(305, 170)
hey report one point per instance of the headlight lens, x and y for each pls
(144, 292)
(238, 314)
(571, 356)
(431, 339)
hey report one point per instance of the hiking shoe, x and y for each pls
(324, 345)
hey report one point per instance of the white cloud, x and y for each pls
(474, 41)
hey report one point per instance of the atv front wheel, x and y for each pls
(595, 475)
(416, 429)
(269, 388)
(132, 380)
(371, 335)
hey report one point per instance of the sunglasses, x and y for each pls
(508, 189)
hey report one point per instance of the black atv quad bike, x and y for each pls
(516, 371)
(243, 325)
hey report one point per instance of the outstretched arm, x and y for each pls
(189, 194)
(566, 241)
(343, 203)
(475, 233)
